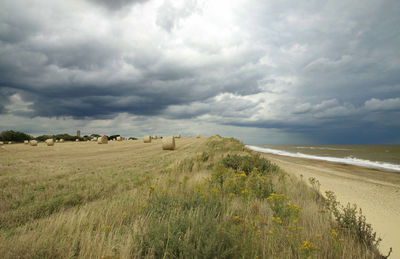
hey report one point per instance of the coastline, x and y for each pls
(375, 191)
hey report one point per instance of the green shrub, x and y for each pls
(241, 176)
(248, 163)
(352, 220)
(15, 136)
(284, 211)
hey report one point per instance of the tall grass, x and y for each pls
(212, 199)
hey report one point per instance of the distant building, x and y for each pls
(78, 133)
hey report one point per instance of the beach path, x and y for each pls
(376, 192)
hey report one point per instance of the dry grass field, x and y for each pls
(209, 198)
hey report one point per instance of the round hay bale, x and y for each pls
(57, 141)
(102, 140)
(9, 142)
(26, 142)
(119, 138)
(178, 136)
(154, 137)
(1, 143)
(77, 140)
(94, 139)
(50, 142)
(61, 140)
(168, 143)
(146, 139)
(198, 136)
(33, 143)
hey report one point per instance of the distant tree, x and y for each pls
(43, 137)
(15, 136)
(113, 137)
(95, 135)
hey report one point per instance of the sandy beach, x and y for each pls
(377, 192)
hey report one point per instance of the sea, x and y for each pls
(374, 156)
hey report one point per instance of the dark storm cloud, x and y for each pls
(5, 94)
(318, 68)
(116, 4)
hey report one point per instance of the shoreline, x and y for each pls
(381, 165)
(375, 191)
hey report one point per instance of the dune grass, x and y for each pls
(210, 198)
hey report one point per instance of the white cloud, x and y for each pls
(18, 105)
(391, 104)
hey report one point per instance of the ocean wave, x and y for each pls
(323, 148)
(345, 160)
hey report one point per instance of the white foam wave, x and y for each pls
(323, 148)
(346, 160)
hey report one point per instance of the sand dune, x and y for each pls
(377, 192)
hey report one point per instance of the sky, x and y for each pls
(264, 72)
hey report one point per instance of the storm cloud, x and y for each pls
(315, 72)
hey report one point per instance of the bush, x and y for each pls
(248, 163)
(15, 136)
(351, 219)
(241, 176)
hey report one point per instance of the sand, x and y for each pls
(376, 191)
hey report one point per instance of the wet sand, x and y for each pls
(376, 191)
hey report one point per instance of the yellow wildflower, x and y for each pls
(277, 220)
(307, 246)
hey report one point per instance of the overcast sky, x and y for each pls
(265, 72)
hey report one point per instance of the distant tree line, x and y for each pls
(17, 136)
(14, 136)
(64, 136)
